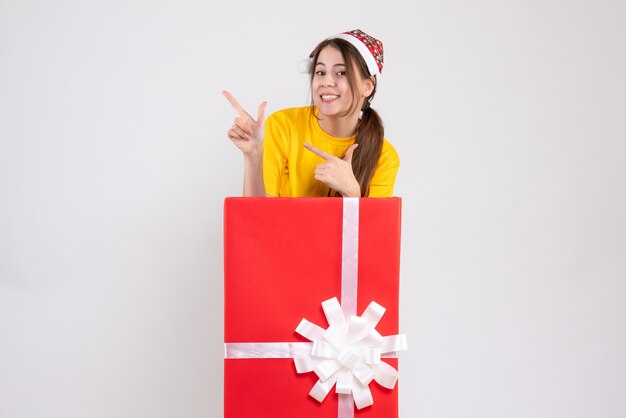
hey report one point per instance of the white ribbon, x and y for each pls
(350, 256)
(347, 354)
(266, 350)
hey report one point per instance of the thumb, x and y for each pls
(348, 156)
(261, 112)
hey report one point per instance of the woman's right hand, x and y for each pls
(246, 133)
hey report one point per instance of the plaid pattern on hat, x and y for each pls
(370, 48)
(373, 45)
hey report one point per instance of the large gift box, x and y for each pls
(307, 282)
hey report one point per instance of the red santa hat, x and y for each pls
(370, 48)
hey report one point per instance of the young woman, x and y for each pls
(335, 146)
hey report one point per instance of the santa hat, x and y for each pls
(370, 48)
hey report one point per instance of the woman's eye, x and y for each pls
(341, 73)
(320, 73)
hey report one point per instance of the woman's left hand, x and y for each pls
(336, 172)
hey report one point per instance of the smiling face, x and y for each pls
(331, 89)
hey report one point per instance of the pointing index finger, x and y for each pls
(234, 103)
(318, 151)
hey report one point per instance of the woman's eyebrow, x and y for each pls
(336, 65)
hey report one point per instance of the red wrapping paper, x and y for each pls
(282, 258)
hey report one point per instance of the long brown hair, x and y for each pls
(369, 130)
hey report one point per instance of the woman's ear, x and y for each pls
(368, 86)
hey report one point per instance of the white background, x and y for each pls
(510, 121)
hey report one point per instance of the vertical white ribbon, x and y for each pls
(350, 256)
(345, 409)
(349, 279)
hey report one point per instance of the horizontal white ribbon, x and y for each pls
(266, 350)
(274, 350)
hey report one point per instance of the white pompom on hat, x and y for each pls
(304, 66)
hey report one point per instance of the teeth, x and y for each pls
(329, 96)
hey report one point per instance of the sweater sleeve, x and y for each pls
(275, 169)
(384, 177)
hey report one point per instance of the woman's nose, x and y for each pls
(328, 81)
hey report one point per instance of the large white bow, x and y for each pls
(348, 353)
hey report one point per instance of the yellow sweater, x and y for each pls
(288, 167)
